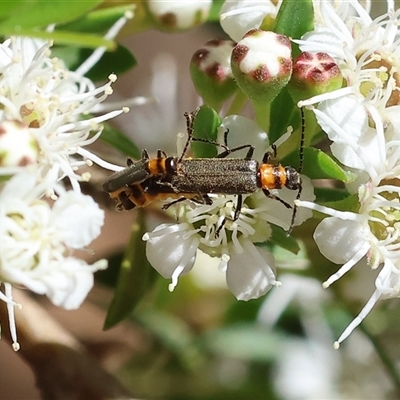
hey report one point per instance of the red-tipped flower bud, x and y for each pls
(314, 74)
(261, 64)
(210, 69)
(178, 15)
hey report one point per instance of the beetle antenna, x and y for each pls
(190, 116)
(301, 161)
(302, 139)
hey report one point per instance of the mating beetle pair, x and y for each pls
(180, 178)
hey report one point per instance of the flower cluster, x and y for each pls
(348, 76)
(233, 232)
(361, 120)
(44, 128)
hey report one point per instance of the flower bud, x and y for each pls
(314, 74)
(17, 145)
(261, 64)
(179, 14)
(210, 69)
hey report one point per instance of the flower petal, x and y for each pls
(339, 240)
(169, 251)
(238, 17)
(68, 284)
(78, 217)
(250, 274)
(244, 130)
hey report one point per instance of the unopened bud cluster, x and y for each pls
(260, 65)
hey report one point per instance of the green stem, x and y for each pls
(262, 111)
(63, 37)
(136, 275)
(312, 127)
(238, 103)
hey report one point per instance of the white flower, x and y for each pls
(357, 117)
(37, 241)
(250, 273)
(45, 108)
(238, 17)
(78, 217)
(372, 233)
(361, 120)
(171, 249)
(50, 101)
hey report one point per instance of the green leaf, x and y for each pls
(135, 278)
(280, 238)
(70, 55)
(238, 312)
(73, 38)
(173, 333)
(350, 203)
(295, 18)
(117, 62)
(120, 141)
(41, 13)
(243, 342)
(7, 8)
(324, 195)
(318, 165)
(4, 178)
(318, 137)
(205, 127)
(215, 9)
(283, 114)
(109, 276)
(290, 259)
(98, 20)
